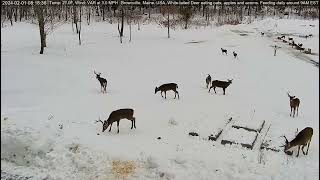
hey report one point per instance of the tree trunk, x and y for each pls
(168, 24)
(66, 13)
(79, 34)
(122, 22)
(75, 17)
(103, 13)
(10, 15)
(39, 13)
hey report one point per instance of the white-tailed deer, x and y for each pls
(167, 87)
(294, 104)
(103, 82)
(208, 80)
(224, 51)
(235, 54)
(302, 139)
(117, 115)
(220, 84)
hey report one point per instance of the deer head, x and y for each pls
(156, 90)
(291, 97)
(97, 74)
(105, 124)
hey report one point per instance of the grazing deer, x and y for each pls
(283, 36)
(117, 115)
(103, 82)
(224, 51)
(290, 39)
(283, 40)
(294, 104)
(220, 84)
(235, 54)
(300, 45)
(302, 139)
(208, 80)
(167, 87)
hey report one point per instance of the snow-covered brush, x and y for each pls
(294, 104)
(302, 139)
(103, 82)
(117, 115)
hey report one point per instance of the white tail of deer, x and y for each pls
(302, 139)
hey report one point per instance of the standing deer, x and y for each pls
(221, 84)
(103, 82)
(117, 115)
(208, 80)
(224, 51)
(235, 54)
(294, 104)
(167, 87)
(302, 139)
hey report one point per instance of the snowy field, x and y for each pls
(50, 102)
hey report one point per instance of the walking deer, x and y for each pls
(294, 104)
(208, 80)
(220, 84)
(117, 115)
(166, 87)
(302, 139)
(103, 82)
(224, 51)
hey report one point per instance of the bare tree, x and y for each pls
(79, 30)
(120, 30)
(39, 12)
(186, 14)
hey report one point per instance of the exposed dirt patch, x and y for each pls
(123, 169)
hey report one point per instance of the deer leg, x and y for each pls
(210, 88)
(178, 94)
(131, 123)
(297, 110)
(134, 120)
(302, 149)
(165, 94)
(224, 91)
(118, 125)
(161, 94)
(291, 112)
(294, 111)
(175, 94)
(110, 127)
(214, 88)
(308, 147)
(298, 151)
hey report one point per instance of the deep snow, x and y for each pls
(42, 92)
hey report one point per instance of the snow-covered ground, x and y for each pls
(49, 103)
